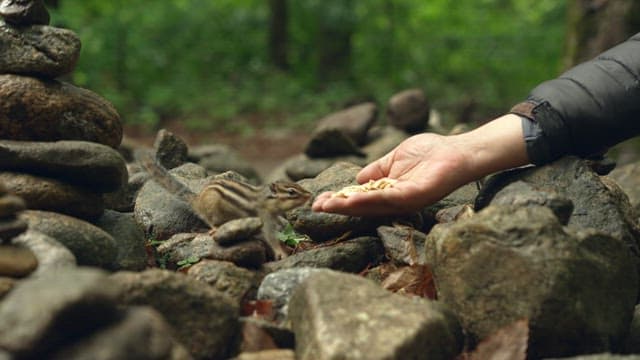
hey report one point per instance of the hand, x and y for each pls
(428, 167)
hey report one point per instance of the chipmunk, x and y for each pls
(222, 200)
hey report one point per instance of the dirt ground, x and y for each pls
(265, 149)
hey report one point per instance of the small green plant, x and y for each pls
(290, 237)
(154, 242)
(187, 262)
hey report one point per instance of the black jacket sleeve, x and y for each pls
(588, 108)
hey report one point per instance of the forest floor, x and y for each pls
(265, 149)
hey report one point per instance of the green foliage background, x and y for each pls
(205, 62)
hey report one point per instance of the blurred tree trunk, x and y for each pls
(335, 30)
(278, 33)
(597, 25)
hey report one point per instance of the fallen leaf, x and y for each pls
(414, 280)
(508, 343)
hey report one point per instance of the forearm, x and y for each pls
(587, 109)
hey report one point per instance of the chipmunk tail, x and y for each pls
(161, 176)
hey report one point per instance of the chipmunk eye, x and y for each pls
(291, 191)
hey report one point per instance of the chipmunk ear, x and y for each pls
(273, 188)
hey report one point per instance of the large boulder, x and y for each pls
(506, 263)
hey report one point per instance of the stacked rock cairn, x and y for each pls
(57, 141)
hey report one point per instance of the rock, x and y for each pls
(10, 227)
(632, 344)
(237, 230)
(409, 111)
(605, 356)
(194, 247)
(142, 334)
(16, 261)
(382, 140)
(235, 282)
(123, 199)
(89, 165)
(342, 316)
(520, 193)
(220, 158)
(52, 256)
(520, 263)
(6, 285)
(352, 255)
(162, 214)
(49, 110)
(91, 245)
(329, 143)
(42, 313)
(129, 238)
(324, 226)
(170, 150)
(354, 122)
(205, 320)
(273, 354)
(281, 335)
(598, 203)
(455, 213)
(302, 167)
(278, 287)
(40, 51)
(628, 178)
(403, 244)
(10, 205)
(24, 12)
(41, 193)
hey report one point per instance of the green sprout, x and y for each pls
(290, 237)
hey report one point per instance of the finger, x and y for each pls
(367, 204)
(320, 200)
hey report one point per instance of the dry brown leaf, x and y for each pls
(254, 338)
(508, 343)
(414, 280)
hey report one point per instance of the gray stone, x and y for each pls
(41, 193)
(598, 202)
(6, 285)
(162, 214)
(220, 158)
(40, 51)
(302, 167)
(235, 282)
(403, 244)
(10, 205)
(24, 12)
(193, 247)
(409, 111)
(354, 121)
(381, 140)
(91, 245)
(272, 354)
(329, 143)
(237, 230)
(205, 320)
(520, 193)
(86, 164)
(342, 316)
(52, 255)
(628, 178)
(142, 334)
(44, 312)
(278, 287)
(605, 356)
(170, 150)
(49, 110)
(16, 261)
(576, 289)
(123, 199)
(352, 255)
(129, 238)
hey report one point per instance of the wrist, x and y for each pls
(495, 146)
